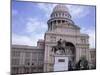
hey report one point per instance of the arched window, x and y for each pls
(63, 21)
(56, 15)
(59, 21)
(63, 14)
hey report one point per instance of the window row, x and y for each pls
(58, 22)
(15, 53)
(15, 61)
(83, 40)
(60, 15)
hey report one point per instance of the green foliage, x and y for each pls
(82, 64)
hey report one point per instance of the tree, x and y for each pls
(82, 64)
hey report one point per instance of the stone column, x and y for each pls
(46, 58)
(77, 54)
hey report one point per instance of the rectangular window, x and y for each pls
(27, 54)
(83, 40)
(61, 60)
(15, 53)
(15, 62)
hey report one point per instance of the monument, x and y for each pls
(63, 54)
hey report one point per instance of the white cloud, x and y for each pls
(91, 33)
(35, 25)
(35, 29)
(77, 11)
(47, 8)
(21, 40)
(25, 40)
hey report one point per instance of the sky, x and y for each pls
(29, 21)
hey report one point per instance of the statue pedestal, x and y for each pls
(60, 63)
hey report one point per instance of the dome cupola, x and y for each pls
(60, 7)
(60, 11)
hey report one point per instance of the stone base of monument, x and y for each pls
(60, 63)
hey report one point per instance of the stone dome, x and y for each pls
(60, 7)
(60, 16)
(60, 11)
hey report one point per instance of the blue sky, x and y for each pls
(29, 21)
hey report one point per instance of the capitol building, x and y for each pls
(63, 48)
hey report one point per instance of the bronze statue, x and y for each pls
(59, 48)
(59, 42)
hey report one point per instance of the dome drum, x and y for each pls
(60, 21)
(60, 14)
